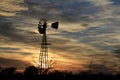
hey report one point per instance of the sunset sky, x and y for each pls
(89, 33)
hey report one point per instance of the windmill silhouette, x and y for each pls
(43, 63)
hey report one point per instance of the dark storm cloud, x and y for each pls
(8, 48)
(13, 63)
(15, 52)
(11, 50)
(69, 11)
(100, 68)
(105, 60)
(6, 27)
(116, 51)
(116, 2)
(13, 33)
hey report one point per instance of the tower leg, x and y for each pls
(43, 56)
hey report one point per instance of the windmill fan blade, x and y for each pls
(41, 30)
(55, 25)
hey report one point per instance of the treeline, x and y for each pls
(32, 73)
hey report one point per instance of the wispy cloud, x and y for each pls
(4, 62)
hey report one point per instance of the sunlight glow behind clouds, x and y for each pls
(101, 3)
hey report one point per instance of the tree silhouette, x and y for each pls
(7, 73)
(30, 73)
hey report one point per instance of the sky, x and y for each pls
(88, 34)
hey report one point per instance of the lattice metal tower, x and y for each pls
(43, 55)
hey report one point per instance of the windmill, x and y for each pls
(43, 63)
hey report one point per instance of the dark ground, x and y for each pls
(32, 73)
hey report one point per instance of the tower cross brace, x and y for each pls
(43, 56)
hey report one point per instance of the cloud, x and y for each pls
(65, 11)
(101, 3)
(116, 51)
(13, 33)
(116, 2)
(100, 68)
(10, 8)
(8, 48)
(4, 62)
(6, 27)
